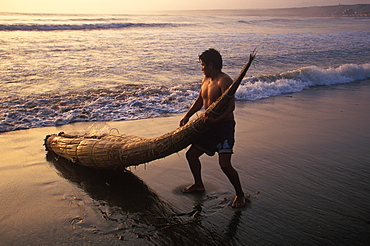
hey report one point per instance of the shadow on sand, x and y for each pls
(138, 213)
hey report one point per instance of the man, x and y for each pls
(220, 136)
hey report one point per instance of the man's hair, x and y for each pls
(212, 56)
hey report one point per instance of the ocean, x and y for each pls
(302, 132)
(60, 69)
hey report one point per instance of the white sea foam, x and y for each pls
(130, 102)
(300, 79)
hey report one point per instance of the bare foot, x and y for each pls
(193, 188)
(239, 201)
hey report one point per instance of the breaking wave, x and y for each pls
(262, 87)
(130, 102)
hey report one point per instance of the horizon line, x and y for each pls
(132, 12)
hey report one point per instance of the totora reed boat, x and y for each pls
(119, 151)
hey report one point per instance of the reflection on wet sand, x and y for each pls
(138, 214)
(229, 233)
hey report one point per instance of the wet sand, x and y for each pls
(303, 160)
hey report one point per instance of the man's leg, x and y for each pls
(233, 176)
(192, 155)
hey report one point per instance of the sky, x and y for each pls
(129, 6)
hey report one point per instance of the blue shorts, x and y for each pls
(219, 138)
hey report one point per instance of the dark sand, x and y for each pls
(304, 160)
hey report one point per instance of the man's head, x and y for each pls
(211, 56)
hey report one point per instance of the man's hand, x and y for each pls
(207, 119)
(184, 120)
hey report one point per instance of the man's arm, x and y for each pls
(197, 105)
(226, 113)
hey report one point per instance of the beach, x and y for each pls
(303, 160)
(302, 132)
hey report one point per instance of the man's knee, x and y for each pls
(192, 154)
(189, 155)
(226, 168)
(225, 163)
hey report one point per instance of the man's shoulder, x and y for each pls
(225, 79)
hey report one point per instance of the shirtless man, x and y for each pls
(220, 137)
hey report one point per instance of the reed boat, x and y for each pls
(116, 151)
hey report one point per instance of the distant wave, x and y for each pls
(130, 102)
(64, 27)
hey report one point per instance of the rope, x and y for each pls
(110, 131)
